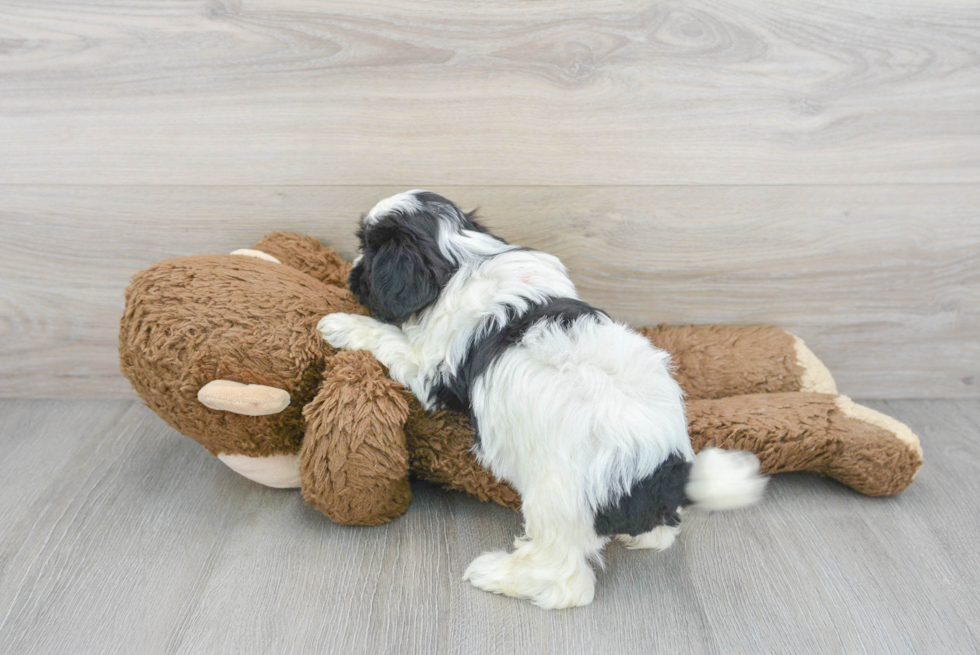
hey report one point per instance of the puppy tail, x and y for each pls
(722, 479)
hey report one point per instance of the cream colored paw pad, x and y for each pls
(816, 376)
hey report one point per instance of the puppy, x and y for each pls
(576, 411)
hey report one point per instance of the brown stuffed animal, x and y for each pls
(225, 349)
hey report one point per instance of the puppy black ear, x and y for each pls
(355, 281)
(403, 278)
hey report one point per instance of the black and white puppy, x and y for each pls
(578, 412)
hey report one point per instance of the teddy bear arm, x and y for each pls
(440, 445)
(826, 434)
(353, 462)
(306, 254)
(716, 361)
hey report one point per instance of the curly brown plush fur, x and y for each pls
(356, 435)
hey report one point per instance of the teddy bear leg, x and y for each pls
(831, 435)
(816, 377)
(716, 361)
(880, 455)
(354, 460)
(441, 448)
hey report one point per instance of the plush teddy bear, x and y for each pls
(225, 349)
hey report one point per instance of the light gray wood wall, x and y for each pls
(811, 164)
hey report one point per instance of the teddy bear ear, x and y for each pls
(247, 399)
(251, 252)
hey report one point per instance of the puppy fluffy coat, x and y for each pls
(576, 411)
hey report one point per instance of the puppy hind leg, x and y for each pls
(660, 538)
(550, 565)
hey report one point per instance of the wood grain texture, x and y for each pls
(882, 282)
(118, 535)
(415, 93)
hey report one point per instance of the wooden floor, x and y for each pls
(119, 535)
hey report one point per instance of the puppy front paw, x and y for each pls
(344, 330)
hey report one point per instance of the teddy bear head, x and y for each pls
(224, 347)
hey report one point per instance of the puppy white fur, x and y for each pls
(578, 412)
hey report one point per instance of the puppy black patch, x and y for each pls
(467, 221)
(653, 501)
(454, 392)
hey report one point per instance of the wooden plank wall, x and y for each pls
(810, 164)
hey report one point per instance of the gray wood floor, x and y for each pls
(119, 535)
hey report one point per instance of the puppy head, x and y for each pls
(411, 245)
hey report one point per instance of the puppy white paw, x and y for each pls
(488, 572)
(660, 538)
(342, 330)
(548, 585)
